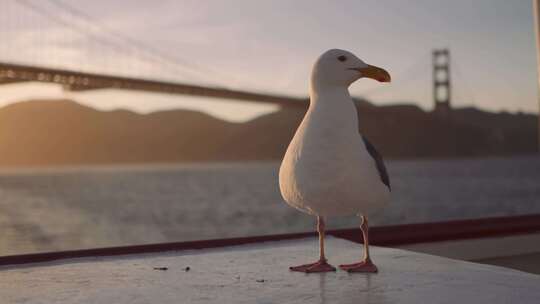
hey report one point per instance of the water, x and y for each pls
(60, 209)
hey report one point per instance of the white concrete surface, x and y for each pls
(259, 274)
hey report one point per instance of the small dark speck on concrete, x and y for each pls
(260, 281)
(161, 268)
(187, 269)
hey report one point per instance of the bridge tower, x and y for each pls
(442, 86)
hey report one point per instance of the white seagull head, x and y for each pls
(341, 68)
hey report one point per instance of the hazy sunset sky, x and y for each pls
(269, 46)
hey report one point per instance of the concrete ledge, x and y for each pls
(259, 274)
(388, 236)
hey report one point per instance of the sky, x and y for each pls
(270, 46)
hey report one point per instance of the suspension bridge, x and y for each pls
(132, 58)
(42, 41)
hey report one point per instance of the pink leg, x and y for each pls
(366, 265)
(321, 265)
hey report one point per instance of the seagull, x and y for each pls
(329, 168)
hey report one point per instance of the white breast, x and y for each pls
(327, 169)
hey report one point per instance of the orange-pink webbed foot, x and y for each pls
(364, 266)
(319, 266)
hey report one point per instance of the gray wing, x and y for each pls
(377, 157)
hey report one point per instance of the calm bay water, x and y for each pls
(69, 208)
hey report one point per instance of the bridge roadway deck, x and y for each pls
(79, 81)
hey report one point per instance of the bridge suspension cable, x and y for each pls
(132, 53)
(142, 47)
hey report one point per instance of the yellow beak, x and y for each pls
(376, 73)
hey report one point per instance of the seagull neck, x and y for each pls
(318, 92)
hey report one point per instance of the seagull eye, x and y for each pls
(342, 58)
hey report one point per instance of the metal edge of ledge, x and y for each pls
(381, 236)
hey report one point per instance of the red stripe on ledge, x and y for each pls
(382, 236)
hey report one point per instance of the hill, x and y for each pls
(63, 132)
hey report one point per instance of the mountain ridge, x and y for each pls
(64, 132)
